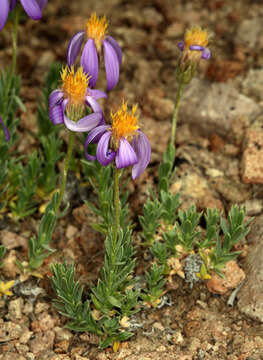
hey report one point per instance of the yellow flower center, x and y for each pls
(196, 36)
(74, 85)
(124, 123)
(96, 29)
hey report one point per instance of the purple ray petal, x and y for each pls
(93, 104)
(89, 61)
(142, 148)
(103, 154)
(55, 97)
(116, 47)
(74, 47)
(41, 3)
(125, 156)
(181, 45)
(12, 4)
(56, 114)
(112, 66)
(4, 13)
(32, 9)
(196, 47)
(93, 137)
(86, 123)
(96, 94)
(6, 132)
(206, 54)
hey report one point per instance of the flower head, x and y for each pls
(194, 44)
(6, 132)
(96, 29)
(74, 85)
(124, 123)
(4, 288)
(113, 142)
(72, 98)
(96, 40)
(33, 8)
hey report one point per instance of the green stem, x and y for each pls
(176, 108)
(65, 168)
(116, 175)
(14, 41)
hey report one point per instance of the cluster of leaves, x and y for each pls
(9, 94)
(25, 179)
(164, 228)
(113, 297)
(39, 245)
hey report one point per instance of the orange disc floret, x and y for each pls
(96, 28)
(124, 123)
(74, 85)
(196, 36)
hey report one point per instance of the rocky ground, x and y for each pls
(219, 159)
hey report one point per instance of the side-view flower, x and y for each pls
(194, 44)
(33, 8)
(72, 97)
(6, 132)
(96, 38)
(113, 142)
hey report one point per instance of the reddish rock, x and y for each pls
(233, 276)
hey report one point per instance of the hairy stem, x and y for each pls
(65, 168)
(116, 175)
(176, 108)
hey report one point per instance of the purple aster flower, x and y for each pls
(6, 132)
(194, 44)
(96, 39)
(113, 144)
(75, 92)
(33, 8)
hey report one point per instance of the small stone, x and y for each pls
(62, 346)
(10, 331)
(158, 326)
(9, 265)
(24, 338)
(62, 334)
(15, 308)
(28, 308)
(30, 356)
(41, 306)
(233, 276)
(178, 338)
(71, 231)
(252, 167)
(11, 240)
(21, 348)
(43, 341)
(45, 322)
